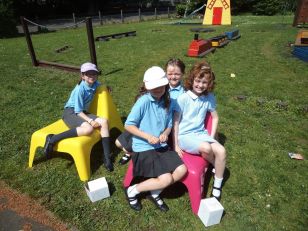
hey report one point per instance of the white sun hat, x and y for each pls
(154, 77)
(88, 67)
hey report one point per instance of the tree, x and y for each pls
(7, 21)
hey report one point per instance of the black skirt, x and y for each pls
(155, 162)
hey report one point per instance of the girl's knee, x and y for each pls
(205, 148)
(166, 180)
(182, 169)
(102, 121)
(85, 130)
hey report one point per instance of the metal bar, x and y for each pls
(29, 41)
(61, 66)
(91, 40)
(115, 35)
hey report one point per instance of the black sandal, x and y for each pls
(163, 207)
(137, 206)
(124, 159)
(219, 189)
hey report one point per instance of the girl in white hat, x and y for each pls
(150, 122)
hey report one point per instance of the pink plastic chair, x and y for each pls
(194, 178)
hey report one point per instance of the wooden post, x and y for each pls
(122, 18)
(139, 12)
(168, 13)
(91, 40)
(29, 41)
(155, 12)
(100, 17)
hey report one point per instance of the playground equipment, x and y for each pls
(115, 36)
(301, 14)
(79, 147)
(199, 47)
(42, 63)
(233, 35)
(219, 40)
(300, 48)
(218, 12)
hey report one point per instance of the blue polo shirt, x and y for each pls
(176, 91)
(174, 94)
(151, 117)
(82, 96)
(193, 110)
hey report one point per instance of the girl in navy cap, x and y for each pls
(77, 118)
(189, 132)
(150, 122)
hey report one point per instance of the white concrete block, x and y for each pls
(210, 211)
(97, 189)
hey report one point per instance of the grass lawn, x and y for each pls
(264, 188)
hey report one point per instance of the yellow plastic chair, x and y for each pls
(79, 147)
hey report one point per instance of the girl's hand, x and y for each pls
(163, 138)
(153, 140)
(178, 150)
(95, 124)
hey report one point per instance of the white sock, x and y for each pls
(131, 192)
(217, 184)
(155, 193)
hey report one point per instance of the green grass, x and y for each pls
(264, 190)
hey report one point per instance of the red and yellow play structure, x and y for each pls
(218, 12)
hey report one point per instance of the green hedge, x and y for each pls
(7, 20)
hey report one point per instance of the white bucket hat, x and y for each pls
(88, 67)
(154, 77)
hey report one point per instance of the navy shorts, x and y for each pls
(126, 140)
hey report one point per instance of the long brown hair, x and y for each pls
(166, 96)
(200, 70)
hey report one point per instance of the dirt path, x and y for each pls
(20, 212)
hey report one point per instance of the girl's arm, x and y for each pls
(135, 131)
(92, 122)
(176, 119)
(215, 118)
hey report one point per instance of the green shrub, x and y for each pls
(7, 20)
(180, 9)
(272, 7)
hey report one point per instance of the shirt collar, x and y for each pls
(152, 99)
(175, 88)
(87, 87)
(192, 95)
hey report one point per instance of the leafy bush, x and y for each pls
(180, 9)
(7, 20)
(272, 7)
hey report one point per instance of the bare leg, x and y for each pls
(220, 159)
(179, 173)
(160, 182)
